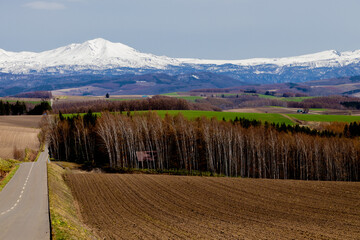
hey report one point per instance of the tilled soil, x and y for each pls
(19, 137)
(25, 121)
(178, 207)
(20, 132)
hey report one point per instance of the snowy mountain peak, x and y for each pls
(105, 48)
(89, 50)
(98, 41)
(3, 53)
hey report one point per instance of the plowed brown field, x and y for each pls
(178, 207)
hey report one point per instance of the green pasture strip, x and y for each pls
(269, 117)
(171, 94)
(70, 115)
(295, 99)
(190, 98)
(325, 118)
(267, 96)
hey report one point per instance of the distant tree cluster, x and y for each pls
(154, 103)
(352, 105)
(20, 108)
(238, 148)
(39, 109)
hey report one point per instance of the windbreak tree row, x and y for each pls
(154, 103)
(227, 148)
(20, 108)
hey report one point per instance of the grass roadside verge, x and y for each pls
(41, 149)
(8, 177)
(65, 218)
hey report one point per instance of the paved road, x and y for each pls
(24, 203)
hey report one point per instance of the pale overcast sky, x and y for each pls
(215, 29)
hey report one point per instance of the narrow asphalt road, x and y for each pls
(24, 212)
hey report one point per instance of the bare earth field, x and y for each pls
(26, 121)
(177, 207)
(18, 131)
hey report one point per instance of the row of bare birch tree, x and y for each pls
(203, 145)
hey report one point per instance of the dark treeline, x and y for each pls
(254, 100)
(282, 127)
(353, 105)
(20, 108)
(333, 102)
(36, 94)
(154, 103)
(221, 147)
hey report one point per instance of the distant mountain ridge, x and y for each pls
(78, 65)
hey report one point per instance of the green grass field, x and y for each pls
(270, 117)
(325, 118)
(170, 94)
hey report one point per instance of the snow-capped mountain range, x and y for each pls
(100, 54)
(99, 66)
